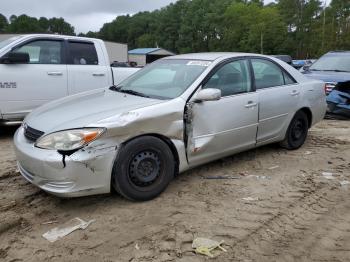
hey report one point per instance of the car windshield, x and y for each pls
(164, 79)
(8, 41)
(332, 62)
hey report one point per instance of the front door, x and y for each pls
(31, 85)
(229, 125)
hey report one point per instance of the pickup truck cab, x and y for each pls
(36, 69)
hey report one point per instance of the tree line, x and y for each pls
(300, 28)
(26, 24)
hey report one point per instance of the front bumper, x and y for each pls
(85, 172)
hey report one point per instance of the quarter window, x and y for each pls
(43, 51)
(82, 53)
(267, 74)
(232, 78)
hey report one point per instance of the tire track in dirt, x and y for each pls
(278, 238)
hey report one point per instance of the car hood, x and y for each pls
(328, 76)
(84, 110)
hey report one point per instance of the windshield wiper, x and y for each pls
(127, 91)
(115, 88)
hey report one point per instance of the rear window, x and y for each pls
(82, 53)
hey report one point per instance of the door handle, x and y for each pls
(295, 93)
(54, 73)
(250, 104)
(98, 74)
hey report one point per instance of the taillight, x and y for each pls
(328, 87)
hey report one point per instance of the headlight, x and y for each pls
(69, 140)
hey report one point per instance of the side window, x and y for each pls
(43, 51)
(287, 79)
(267, 74)
(82, 53)
(232, 78)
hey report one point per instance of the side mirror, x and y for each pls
(208, 94)
(15, 58)
(306, 67)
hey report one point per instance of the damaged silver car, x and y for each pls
(173, 115)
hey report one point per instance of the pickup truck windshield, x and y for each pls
(337, 62)
(164, 79)
(8, 41)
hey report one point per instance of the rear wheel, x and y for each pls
(297, 132)
(143, 169)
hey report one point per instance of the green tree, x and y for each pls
(3, 23)
(59, 26)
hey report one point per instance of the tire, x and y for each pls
(297, 132)
(143, 169)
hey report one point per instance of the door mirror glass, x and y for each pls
(208, 94)
(16, 58)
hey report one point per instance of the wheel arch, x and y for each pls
(308, 113)
(167, 141)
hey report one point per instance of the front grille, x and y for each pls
(31, 133)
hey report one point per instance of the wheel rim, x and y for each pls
(145, 168)
(298, 130)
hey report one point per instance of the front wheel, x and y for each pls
(143, 169)
(297, 132)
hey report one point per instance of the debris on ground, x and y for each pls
(328, 175)
(71, 226)
(205, 246)
(307, 153)
(262, 177)
(344, 183)
(273, 167)
(50, 222)
(250, 198)
(222, 177)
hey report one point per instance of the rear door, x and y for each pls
(31, 85)
(279, 95)
(87, 67)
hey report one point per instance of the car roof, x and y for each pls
(59, 36)
(211, 56)
(338, 52)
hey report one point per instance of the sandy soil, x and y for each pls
(295, 213)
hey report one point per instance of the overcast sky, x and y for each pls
(84, 15)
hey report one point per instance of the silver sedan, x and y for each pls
(173, 115)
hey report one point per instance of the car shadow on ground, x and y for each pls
(8, 131)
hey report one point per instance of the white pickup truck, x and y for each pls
(36, 69)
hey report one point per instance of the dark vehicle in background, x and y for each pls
(334, 69)
(284, 58)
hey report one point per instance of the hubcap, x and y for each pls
(298, 130)
(144, 168)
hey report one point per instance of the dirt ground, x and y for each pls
(293, 212)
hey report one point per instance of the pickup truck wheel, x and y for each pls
(297, 132)
(143, 169)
